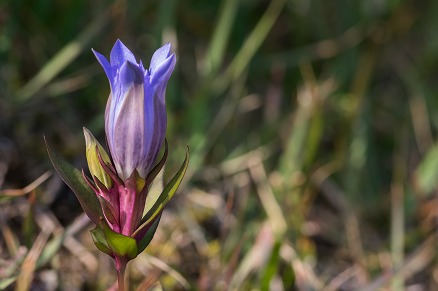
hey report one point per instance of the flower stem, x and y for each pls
(121, 267)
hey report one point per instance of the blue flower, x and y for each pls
(135, 115)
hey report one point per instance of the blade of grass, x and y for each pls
(63, 58)
(397, 210)
(356, 153)
(221, 34)
(165, 19)
(250, 46)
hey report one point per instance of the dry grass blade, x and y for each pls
(249, 159)
(26, 275)
(86, 257)
(160, 266)
(341, 278)
(8, 236)
(306, 279)
(194, 229)
(32, 186)
(267, 197)
(48, 219)
(351, 223)
(150, 280)
(256, 257)
(414, 264)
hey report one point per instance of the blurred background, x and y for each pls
(311, 125)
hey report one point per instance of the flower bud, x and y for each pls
(96, 170)
(135, 116)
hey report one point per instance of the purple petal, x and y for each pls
(155, 126)
(127, 145)
(106, 67)
(108, 121)
(162, 72)
(129, 75)
(159, 56)
(121, 54)
(135, 116)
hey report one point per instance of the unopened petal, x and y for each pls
(162, 72)
(127, 146)
(121, 54)
(109, 71)
(129, 76)
(159, 56)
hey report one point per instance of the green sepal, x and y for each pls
(154, 181)
(165, 196)
(120, 245)
(99, 240)
(146, 240)
(156, 170)
(154, 191)
(74, 179)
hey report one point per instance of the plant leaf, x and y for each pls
(120, 245)
(73, 178)
(145, 241)
(6, 282)
(164, 197)
(99, 240)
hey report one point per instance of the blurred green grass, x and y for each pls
(311, 125)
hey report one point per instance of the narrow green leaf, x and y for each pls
(427, 172)
(73, 178)
(121, 245)
(99, 240)
(50, 249)
(6, 282)
(145, 241)
(271, 268)
(165, 196)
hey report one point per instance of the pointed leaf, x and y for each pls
(73, 178)
(145, 241)
(99, 240)
(121, 245)
(165, 196)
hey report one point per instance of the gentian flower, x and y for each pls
(115, 198)
(136, 110)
